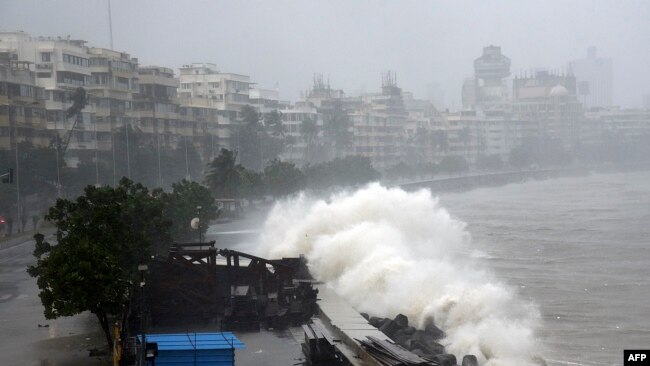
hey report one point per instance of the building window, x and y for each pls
(122, 82)
(46, 56)
(75, 60)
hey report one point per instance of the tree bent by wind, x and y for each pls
(101, 238)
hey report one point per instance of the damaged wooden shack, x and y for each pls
(197, 284)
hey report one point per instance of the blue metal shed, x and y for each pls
(195, 349)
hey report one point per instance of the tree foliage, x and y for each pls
(489, 162)
(453, 164)
(250, 138)
(251, 185)
(101, 237)
(348, 171)
(180, 207)
(542, 151)
(274, 125)
(337, 128)
(309, 133)
(223, 176)
(282, 178)
(36, 175)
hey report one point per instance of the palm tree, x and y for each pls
(249, 138)
(223, 175)
(273, 122)
(309, 132)
(337, 128)
(79, 101)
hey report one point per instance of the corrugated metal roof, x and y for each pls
(195, 341)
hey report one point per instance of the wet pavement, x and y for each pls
(63, 341)
(67, 341)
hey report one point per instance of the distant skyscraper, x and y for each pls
(436, 96)
(488, 89)
(594, 78)
(646, 101)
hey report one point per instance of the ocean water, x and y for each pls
(557, 268)
(579, 248)
(388, 251)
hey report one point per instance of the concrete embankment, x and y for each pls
(463, 183)
(353, 335)
(471, 181)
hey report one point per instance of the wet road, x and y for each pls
(64, 341)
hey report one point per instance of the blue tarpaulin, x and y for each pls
(195, 348)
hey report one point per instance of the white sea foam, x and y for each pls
(388, 251)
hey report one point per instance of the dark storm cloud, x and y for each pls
(285, 42)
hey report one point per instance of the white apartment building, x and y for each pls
(304, 146)
(112, 85)
(22, 108)
(61, 66)
(224, 91)
(379, 125)
(624, 124)
(264, 100)
(155, 107)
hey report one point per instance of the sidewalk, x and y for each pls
(14, 240)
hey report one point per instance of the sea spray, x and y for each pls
(388, 251)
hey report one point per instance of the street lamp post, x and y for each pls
(143, 346)
(12, 118)
(195, 223)
(128, 157)
(18, 205)
(198, 211)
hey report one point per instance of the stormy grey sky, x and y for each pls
(285, 42)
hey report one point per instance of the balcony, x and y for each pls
(44, 66)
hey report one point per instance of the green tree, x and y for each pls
(453, 164)
(309, 134)
(251, 184)
(526, 155)
(282, 178)
(36, 173)
(181, 206)
(37, 178)
(441, 140)
(489, 162)
(79, 102)
(101, 237)
(337, 128)
(399, 170)
(276, 138)
(273, 122)
(85, 173)
(250, 138)
(349, 171)
(223, 176)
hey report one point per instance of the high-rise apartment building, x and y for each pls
(594, 78)
(224, 91)
(22, 105)
(487, 89)
(550, 100)
(61, 66)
